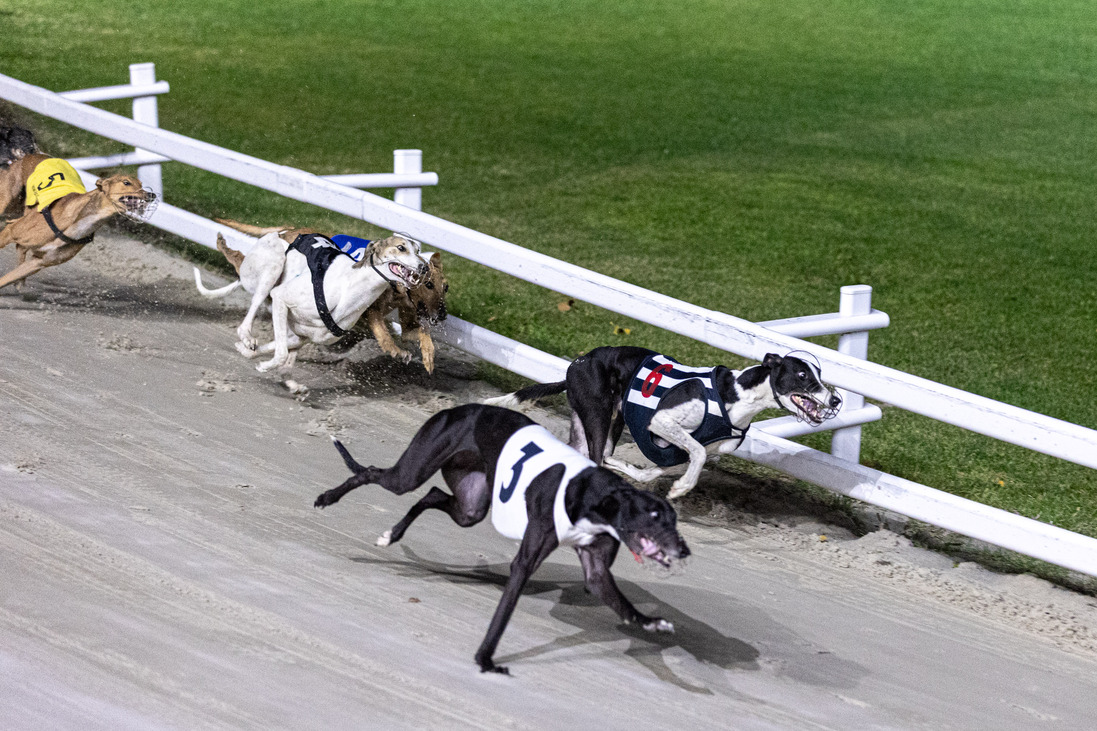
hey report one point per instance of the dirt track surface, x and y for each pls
(163, 567)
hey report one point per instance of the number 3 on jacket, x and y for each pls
(530, 451)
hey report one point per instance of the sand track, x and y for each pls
(163, 566)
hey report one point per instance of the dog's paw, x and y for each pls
(245, 350)
(246, 338)
(487, 666)
(658, 624)
(270, 365)
(678, 489)
(297, 389)
(384, 539)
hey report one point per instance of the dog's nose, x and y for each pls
(835, 401)
(683, 550)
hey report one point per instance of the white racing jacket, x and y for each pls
(530, 451)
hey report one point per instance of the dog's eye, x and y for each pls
(445, 287)
(655, 513)
(801, 375)
(401, 247)
(125, 182)
(430, 285)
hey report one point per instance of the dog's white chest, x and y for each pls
(530, 451)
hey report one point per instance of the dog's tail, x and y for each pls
(234, 257)
(529, 393)
(247, 228)
(212, 293)
(352, 464)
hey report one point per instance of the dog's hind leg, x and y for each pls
(595, 419)
(597, 558)
(243, 331)
(435, 499)
(615, 431)
(438, 441)
(282, 335)
(22, 271)
(292, 343)
(467, 506)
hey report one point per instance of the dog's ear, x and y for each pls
(436, 259)
(366, 253)
(608, 509)
(100, 183)
(772, 360)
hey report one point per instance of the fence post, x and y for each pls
(145, 111)
(856, 299)
(408, 162)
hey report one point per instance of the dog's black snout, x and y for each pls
(684, 551)
(835, 401)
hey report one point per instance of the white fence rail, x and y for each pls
(407, 177)
(842, 368)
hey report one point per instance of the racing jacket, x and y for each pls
(657, 375)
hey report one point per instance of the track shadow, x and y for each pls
(580, 609)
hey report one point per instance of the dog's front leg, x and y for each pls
(679, 437)
(426, 347)
(538, 542)
(597, 558)
(640, 474)
(380, 329)
(280, 316)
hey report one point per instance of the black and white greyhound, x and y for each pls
(673, 410)
(538, 490)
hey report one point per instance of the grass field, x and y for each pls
(745, 156)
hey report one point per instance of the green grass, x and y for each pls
(745, 156)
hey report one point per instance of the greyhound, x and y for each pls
(538, 490)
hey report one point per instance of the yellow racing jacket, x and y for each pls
(52, 179)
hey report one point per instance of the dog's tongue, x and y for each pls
(648, 548)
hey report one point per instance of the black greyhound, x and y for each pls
(673, 410)
(537, 489)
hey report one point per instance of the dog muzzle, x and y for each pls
(814, 410)
(139, 207)
(411, 277)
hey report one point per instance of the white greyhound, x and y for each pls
(307, 306)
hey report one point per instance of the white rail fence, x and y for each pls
(855, 375)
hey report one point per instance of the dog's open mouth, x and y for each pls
(812, 409)
(139, 207)
(650, 549)
(411, 277)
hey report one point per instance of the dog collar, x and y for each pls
(46, 214)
